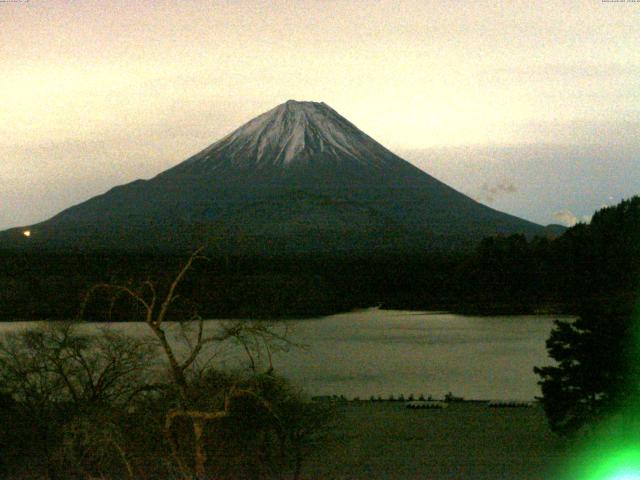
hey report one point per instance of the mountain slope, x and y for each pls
(297, 178)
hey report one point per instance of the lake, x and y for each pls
(386, 352)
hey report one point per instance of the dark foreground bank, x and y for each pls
(467, 440)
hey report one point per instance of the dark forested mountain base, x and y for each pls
(507, 274)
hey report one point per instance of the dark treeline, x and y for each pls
(508, 274)
(592, 386)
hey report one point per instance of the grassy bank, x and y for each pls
(385, 440)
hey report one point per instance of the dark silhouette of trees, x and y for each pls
(502, 274)
(106, 405)
(201, 401)
(55, 379)
(597, 372)
(153, 308)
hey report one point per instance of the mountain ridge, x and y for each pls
(351, 193)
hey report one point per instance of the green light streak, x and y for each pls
(611, 451)
(624, 465)
(615, 460)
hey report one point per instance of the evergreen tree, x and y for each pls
(597, 373)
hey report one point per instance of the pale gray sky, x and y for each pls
(530, 106)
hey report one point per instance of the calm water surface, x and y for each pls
(380, 352)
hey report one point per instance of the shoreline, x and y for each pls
(464, 312)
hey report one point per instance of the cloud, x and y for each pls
(491, 192)
(568, 218)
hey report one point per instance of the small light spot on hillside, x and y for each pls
(27, 233)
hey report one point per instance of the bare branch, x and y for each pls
(170, 297)
(197, 348)
(117, 290)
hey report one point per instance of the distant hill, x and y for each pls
(298, 178)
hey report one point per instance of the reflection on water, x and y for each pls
(378, 352)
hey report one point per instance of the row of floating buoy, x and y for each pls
(416, 405)
(509, 404)
(428, 404)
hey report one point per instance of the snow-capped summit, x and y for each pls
(298, 178)
(292, 133)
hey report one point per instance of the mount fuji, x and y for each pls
(298, 178)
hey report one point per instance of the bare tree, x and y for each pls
(56, 375)
(97, 406)
(255, 338)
